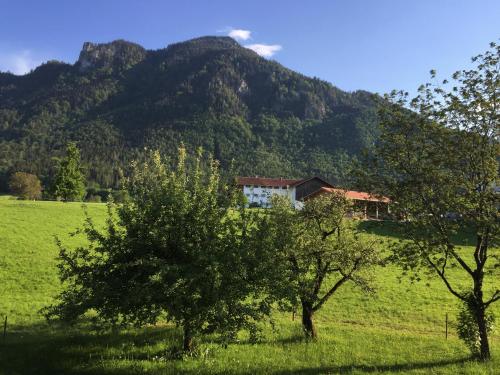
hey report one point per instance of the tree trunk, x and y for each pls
(480, 314)
(307, 320)
(484, 346)
(188, 339)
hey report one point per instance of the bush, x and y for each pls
(94, 193)
(120, 196)
(25, 186)
(97, 194)
(467, 328)
(94, 198)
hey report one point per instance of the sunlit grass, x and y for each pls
(401, 328)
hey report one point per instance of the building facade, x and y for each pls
(259, 190)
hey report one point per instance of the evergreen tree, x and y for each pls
(69, 182)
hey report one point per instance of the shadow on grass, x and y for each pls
(39, 350)
(395, 230)
(374, 369)
(45, 350)
(296, 339)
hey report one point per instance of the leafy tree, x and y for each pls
(315, 251)
(177, 248)
(69, 182)
(25, 186)
(439, 160)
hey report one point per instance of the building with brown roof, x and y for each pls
(365, 204)
(259, 190)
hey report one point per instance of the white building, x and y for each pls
(259, 190)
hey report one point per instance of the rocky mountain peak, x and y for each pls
(116, 54)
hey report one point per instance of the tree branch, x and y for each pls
(319, 275)
(464, 265)
(443, 277)
(494, 298)
(334, 288)
(330, 292)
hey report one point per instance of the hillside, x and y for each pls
(119, 99)
(398, 329)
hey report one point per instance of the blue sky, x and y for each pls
(354, 44)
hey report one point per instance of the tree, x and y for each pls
(176, 249)
(439, 157)
(315, 251)
(25, 186)
(69, 182)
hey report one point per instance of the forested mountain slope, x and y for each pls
(119, 100)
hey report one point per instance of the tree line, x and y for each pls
(68, 184)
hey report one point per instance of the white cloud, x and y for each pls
(265, 50)
(239, 34)
(19, 63)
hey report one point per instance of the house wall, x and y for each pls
(262, 194)
(309, 187)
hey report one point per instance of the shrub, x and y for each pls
(94, 193)
(467, 327)
(119, 196)
(94, 199)
(25, 186)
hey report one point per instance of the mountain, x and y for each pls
(120, 100)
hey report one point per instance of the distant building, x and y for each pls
(365, 205)
(259, 190)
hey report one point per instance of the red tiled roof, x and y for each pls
(264, 181)
(351, 194)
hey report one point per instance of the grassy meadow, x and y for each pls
(399, 329)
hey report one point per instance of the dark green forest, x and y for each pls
(119, 100)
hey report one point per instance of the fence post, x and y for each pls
(5, 327)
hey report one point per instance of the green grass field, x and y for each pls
(399, 329)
